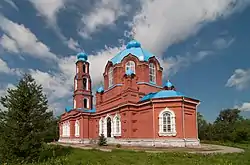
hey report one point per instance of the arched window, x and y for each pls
(77, 128)
(117, 125)
(85, 84)
(66, 129)
(84, 68)
(167, 125)
(85, 103)
(130, 65)
(152, 73)
(110, 76)
(101, 126)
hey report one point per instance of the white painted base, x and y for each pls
(139, 142)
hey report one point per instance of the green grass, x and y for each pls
(120, 157)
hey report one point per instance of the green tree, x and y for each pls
(26, 122)
(202, 126)
(229, 116)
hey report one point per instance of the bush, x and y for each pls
(102, 140)
(118, 145)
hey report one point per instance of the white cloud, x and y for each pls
(161, 23)
(19, 39)
(221, 43)
(74, 45)
(4, 67)
(9, 44)
(104, 13)
(244, 107)
(12, 4)
(172, 64)
(240, 79)
(48, 8)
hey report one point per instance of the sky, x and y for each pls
(203, 45)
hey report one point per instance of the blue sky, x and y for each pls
(202, 45)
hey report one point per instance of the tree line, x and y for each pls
(229, 126)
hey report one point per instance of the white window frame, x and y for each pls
(117, 125)
(110, 76)
(172, 124)
(77, 128)
(130, 65)
(66, 129)
(101, 126)
(87, 102)
(152, 73)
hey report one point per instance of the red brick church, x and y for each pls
(133, 107)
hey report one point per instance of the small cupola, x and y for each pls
(100, 90)
(133, 44)
(169, 86)
(82, 57)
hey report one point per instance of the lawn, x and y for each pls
(120, 157)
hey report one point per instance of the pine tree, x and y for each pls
(102, 140)
(25, 123)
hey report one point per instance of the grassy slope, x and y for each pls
(118, 157)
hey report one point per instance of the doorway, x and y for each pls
(108, 127)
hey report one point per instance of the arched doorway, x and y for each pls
(108, 127)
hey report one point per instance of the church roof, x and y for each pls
(162, 94)
(134, 48)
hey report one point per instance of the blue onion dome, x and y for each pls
(100, 90)
(82, 56)
(133, 44)
(129, 72)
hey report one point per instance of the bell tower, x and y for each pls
(82, 98)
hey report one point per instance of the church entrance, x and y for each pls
(108, 127)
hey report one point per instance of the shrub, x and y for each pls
(118, 145)
(102, 140)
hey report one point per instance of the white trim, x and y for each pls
(75, 84)
(172, 123)
(110, 76)
(117, 125)
(152, 69)
(101, 126)
(77, 128)
(66, 129)
(74, 103)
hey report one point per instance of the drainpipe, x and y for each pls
(183, 122)
(153, 121)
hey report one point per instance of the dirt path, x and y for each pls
(204, 149)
